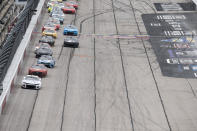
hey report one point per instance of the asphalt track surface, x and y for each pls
(106, 84)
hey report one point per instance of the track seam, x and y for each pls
(67, 74)
(157, 87)
(65, 92)
(32, 111)
(95, 96)
(123, 68)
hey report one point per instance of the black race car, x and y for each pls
(48, 39)
(71, 41)
(43, 51)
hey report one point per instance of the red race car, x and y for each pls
(72, 3)
(69, 10)
(39, 70)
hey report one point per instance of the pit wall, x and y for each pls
(17, 62)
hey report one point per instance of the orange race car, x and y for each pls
(39, 70)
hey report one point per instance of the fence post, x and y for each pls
(1, 88)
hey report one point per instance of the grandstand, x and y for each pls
(8, 13)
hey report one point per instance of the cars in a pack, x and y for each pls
(58, 17)
(56, 10)
(60, 5)
(46, 60)
(54, 22)
(70, 30)
(42, 45)
(53, 8)
(48, 32)
(47, 39)
(50, 8)
(59, 13)
(49, 26)
(31, 81)
(71, 41)
(69, 10)
(43, 51)
(38, 70)
(72, 3)
(57, 0)
(51, 3)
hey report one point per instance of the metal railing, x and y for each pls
(15, 37)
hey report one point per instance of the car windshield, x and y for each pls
(38, 67)
(57, 16)
(32, 78)
(46, 57)
(44, 48)
(54, 21)
(44, 45)
(49, 25)
(45, 38)
(50, 31)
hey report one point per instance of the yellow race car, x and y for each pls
(50, 9)
(49, 32)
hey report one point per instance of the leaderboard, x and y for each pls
(174, 40)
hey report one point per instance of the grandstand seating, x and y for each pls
(7, 13)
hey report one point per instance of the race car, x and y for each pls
(71, 42)
(47, 39)
(70, 30)
(38, 70)
(69, 10)
(72, 3)
(56, 11)
(60, 5)
(58, 17)
(46, 60)
(51, 3)
(54, 22)
(42, 45)
(49, 26)
(31, 81)
(50, 8)
(43, 51)
(49, 32)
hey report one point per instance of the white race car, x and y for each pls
(31, 81)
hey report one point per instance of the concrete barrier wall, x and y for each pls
(17, 62)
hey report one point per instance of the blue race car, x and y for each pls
(70, 30)
(46, 60)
